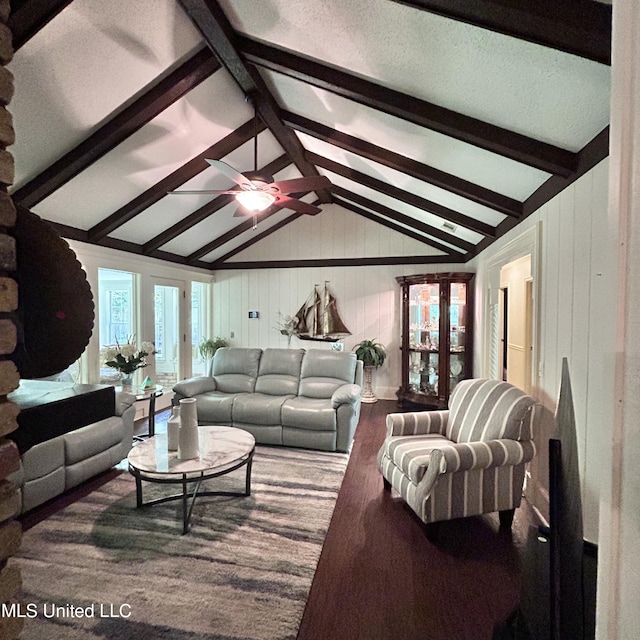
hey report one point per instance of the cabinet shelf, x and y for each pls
(437, 336)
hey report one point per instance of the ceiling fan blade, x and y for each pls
(198, 193)
(241, 212)
(296, 185)
(297, 205)
(229, 171)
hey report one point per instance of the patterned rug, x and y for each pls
(102, 569)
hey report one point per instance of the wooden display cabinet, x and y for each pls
(437, 336)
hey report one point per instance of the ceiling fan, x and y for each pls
(257, 191)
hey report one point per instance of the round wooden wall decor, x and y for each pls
(55, 305)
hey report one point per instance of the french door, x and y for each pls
(169, 331)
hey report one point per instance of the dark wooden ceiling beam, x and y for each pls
(389, 224)
(328, 263)
(29, 16)
(415, 169)
(215, 28)
(207, 209)
(402, 195)
(81, 235)
(515, 146)
(153, 101)
(459, 245)
(174, 180)
(579, 27)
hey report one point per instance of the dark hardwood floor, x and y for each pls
(380, 578)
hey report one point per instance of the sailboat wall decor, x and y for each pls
(318, 318)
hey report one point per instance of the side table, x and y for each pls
(149, 394)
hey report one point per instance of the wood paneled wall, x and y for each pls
(576, 318)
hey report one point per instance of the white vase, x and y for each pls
(188, 446)
(173, 429)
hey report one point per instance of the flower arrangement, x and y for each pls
(287, 326)
(127, 358)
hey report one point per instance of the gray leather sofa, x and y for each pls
(290, 397)
(50, 468)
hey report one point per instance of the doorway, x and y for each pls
(516, 323)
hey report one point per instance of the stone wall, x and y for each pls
(10, 529)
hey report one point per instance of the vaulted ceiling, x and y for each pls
(445, 121)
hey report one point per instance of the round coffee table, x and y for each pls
(222, 450)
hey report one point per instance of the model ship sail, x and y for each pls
(318, 318)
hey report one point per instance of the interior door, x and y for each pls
(169, 320)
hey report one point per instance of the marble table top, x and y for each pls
(219, 447)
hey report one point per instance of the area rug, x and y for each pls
(101, 568)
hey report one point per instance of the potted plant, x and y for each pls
(208, 347)
(373, 355)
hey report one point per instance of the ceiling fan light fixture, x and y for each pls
(255, 200)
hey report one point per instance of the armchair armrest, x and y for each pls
(346, 394)
(466, 456)
(417, 423)
(195, 386)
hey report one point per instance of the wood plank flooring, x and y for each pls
(380, 578)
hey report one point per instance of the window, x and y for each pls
(116, 312)
(199, 325)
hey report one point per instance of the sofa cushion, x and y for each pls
(43, 458)
(279, 372)
(309, 413)
(258, 408)
(235, 369)
(35, 492)
(324, 371)
(93, 439)
(215, 407)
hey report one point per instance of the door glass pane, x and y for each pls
(116, 306)
(167, 334)
(198, 326)
(457, 335)
(424, 337)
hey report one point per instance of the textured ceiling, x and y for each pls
(447, 123)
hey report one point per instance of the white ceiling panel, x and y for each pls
(403, 181)
(173, 208)
(87, 62)
(534, 90)
(401, 207)
(434, 149)
(174, 137)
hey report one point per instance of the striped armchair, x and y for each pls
(464, 461)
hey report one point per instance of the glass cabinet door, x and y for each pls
(457, 334)
(424, 338)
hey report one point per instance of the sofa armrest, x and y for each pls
(466, 456)
(346, 394)
(124, 400)
(195, 386)
(417, 423)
